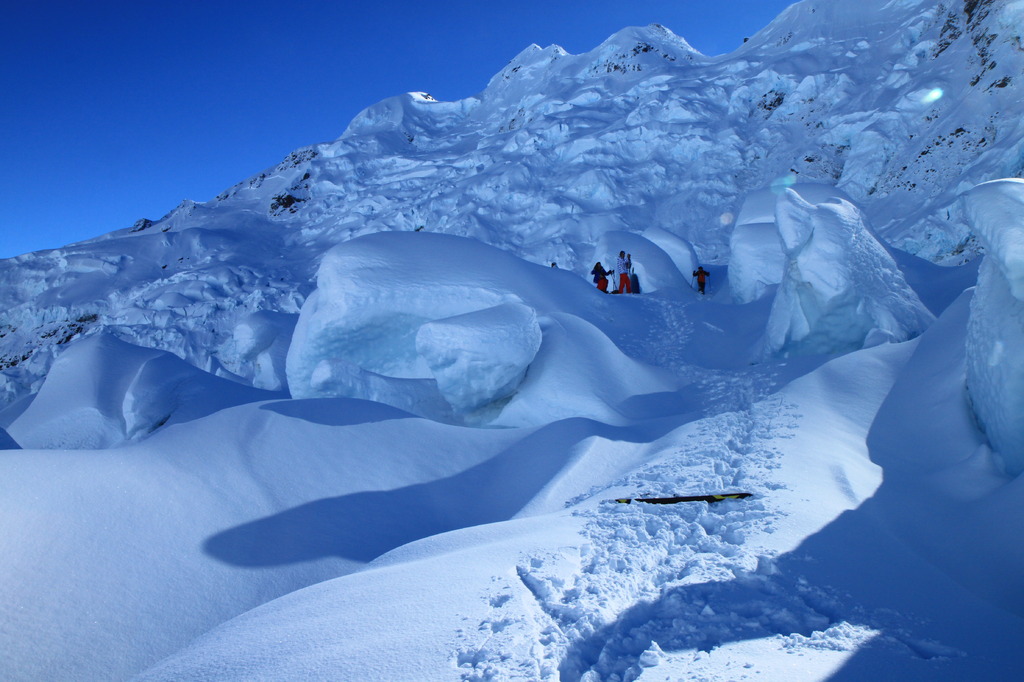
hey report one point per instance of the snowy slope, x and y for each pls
(345, 421)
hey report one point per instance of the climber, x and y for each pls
(622, 266)
(702, 277)
(600, 276)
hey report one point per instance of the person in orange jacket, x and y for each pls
(702, 277)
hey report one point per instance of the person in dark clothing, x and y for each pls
(702, 277)
(600, 276)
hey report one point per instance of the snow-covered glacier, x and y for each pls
(840, 288)
(346, 421)
(995, 340)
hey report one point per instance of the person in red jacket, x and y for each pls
(600, 276)
(702, 277)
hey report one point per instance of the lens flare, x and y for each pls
(933, 95)
(726, 218)
(780, 184)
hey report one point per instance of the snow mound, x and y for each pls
(579, 372)
(102, 392)
(841, 290)
(429, 323)
(447, 328)
(995, 337)
(478, 358)
(757, 259)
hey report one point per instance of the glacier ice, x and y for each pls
(439, 317)
(757, 259)
(995, 330)
(261, 340)
(840, 290)
(480, 357)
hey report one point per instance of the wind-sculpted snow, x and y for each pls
(995, 340)
(840, 289)
(757, 258)
(443, 326)
(102, 392)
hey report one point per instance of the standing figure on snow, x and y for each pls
(600, 276)
(702, 277)
(622, 270)
(634, 281)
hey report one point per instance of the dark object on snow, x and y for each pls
(600, 276)
(685, 498)
(702, 277)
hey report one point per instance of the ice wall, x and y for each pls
(840, 290)
(995, 330)
(447, 320)
(757, 260)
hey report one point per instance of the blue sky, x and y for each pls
(115, 111)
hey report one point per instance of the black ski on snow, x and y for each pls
(685, 498)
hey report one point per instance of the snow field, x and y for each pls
(397, 281)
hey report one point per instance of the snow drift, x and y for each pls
(102, 392)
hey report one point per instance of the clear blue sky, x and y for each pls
(115, 111)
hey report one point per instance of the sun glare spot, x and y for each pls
(933, 95)
(786, 181)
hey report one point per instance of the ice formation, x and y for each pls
(261, 340)
(995, 336)
(756, 256)
(841, 290)
(480, 357)
(448, 320)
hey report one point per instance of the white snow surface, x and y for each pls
(840, 288)
(757, 259)
(995, 342)
(345, 421)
